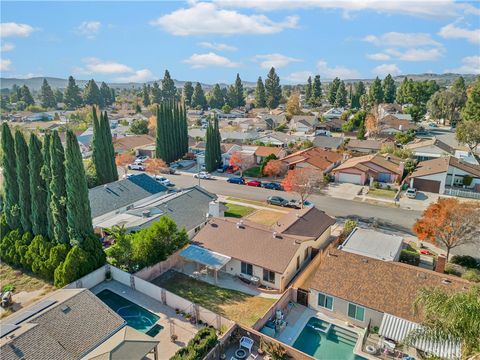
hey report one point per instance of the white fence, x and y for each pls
(462, 193)
(89, 280)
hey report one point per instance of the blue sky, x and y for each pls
(212, 41)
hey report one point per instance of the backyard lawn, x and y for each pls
(265, 217)
(385, 193)
(235, 305)
(237, 211)
(21, 280)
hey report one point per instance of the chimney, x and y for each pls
(440, 265)
(214, 209)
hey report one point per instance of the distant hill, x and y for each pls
(35, 83)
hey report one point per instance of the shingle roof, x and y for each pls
(385, 286)
(67, 330)
(130, 142)
(431, 142)
(308, 222)
(319, 158)
(264, 151)
(109, 197)
(370, 144)
(388, 162)
(440, 165)
(328, 142)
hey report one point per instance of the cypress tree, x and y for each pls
(316, 98)
(209, 149)
(218, 150)
(389, 89)
(98, 150)
(79, 219)
(58, 191)
(375, 93)
(238, 91)
(308, 90)
(38, 190)
(273, 89)
(46, 95)
(109, 150)
(260, 100)
(159, 143)
(47, 178)
(187, 93)
(341, 96)
(185, 129)
(23, 180)
(332, 91)
(10, 207)
(145, 96)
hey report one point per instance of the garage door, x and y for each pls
(426, 185)
(350, 178)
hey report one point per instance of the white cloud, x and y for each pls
(415, 54)
(97, 66)
(470, 65)
(451, 31)
(5, 65)
(422, 8)
(337, 71)
(138, 76)
(299, 77)
(217, 46)
(11, 29)
(7, 47)
(378, 56)
(385, 69)
(207, 18)
(404, 40)
(89, 29)
(275, 60)
(209, 59)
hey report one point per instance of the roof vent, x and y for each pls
(365, 261)
(274, 234)
(421, 275)
(446, 281)
(146, 213)
(65, 309)
(214, 225)
(240, 225)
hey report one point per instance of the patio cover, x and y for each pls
(397, 329)
(205, 257)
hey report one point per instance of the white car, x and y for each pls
(162, 180)
(134, 166)
(140, 159)
(411, 193)
(202, 175)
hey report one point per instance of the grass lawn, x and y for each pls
(237, 211)
(252, 172)
(234, 305)
(258, 203)
(382, 193)
(21, 280)
(265, 217)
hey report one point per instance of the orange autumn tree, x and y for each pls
(243, 161)
(449, 223)
(155, 166)
(123, 160)
(303, 182)
(273, 168)
(371, 124)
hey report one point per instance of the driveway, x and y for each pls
(343, 190)
(420, 203)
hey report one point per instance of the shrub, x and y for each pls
(465, 261)
(376, 185)
(452, 269)
(467, 180)
(8, 287)
(198, 346)
(472, 275)
(410, 257)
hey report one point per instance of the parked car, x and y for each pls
(272, 186)
(254, 183)
(236, 180)
(432, 125)
(134, 166)
(277, 200)
(163, 180)
(232, 169)
(140, 159)
(203, 175)
(296, 204)
(411, 193)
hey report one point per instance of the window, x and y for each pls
(268, 276)
(298, 262)
(306, 255)
(325, 301)
(356, 312)
(247, 269)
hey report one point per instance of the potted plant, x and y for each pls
(173, 337)
(108, 275)
(261, 346)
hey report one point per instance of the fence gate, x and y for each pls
(302, 297)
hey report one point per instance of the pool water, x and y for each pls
(326, 341)
(136, 316)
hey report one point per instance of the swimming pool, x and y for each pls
(135, 316)
(323, 340)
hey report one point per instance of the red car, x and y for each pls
(254, 183)
(232, 169)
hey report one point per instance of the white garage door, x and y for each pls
(350, 178)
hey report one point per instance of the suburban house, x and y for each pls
(369, 146)
(427, 149)
(132, 143)
(393, 124)
(261, 152)
(333, 113)
(240, 246)
(446, 175)
(71, 324)
(328, 142)
(272, 121)
(374, 244)
(314, 158)
(368, 168)
(374, 293)
(141, 214)
(303, 123)
(387, 108)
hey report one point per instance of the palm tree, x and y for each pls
(450, 316)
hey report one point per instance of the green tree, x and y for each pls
(212, 152)
(120, 253)
(308, 90)
(139, 127)
(26, 96)
(359, 91)
(316, 98)
(187, 93)
(472, 106)
(361, 131)
(332, 91)
(58, 96)
(341, 96)
(110, 152)
(47, 177)
(58, 192)
(47, 97)
(23, 180)
(161, 131)
(446, 105)
(79, 217)
(240, 98)
(260, 98)
(216, 99)
(375, 93)
(99, 152)
(155, 94)
(106, 94)
(145, 95)
(10, 184)
(38, 189)
(416, 111)
(198, 97)
(468, 130)
(273, 89)
(168, 87)
(92, 94)
(72, 98)
(389, 89)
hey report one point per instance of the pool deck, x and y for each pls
(168, 318)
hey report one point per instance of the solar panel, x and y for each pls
(7, 329)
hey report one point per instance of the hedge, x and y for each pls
(466, 261)
(410, 257)
(199, 346)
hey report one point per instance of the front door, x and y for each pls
(302, 297)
